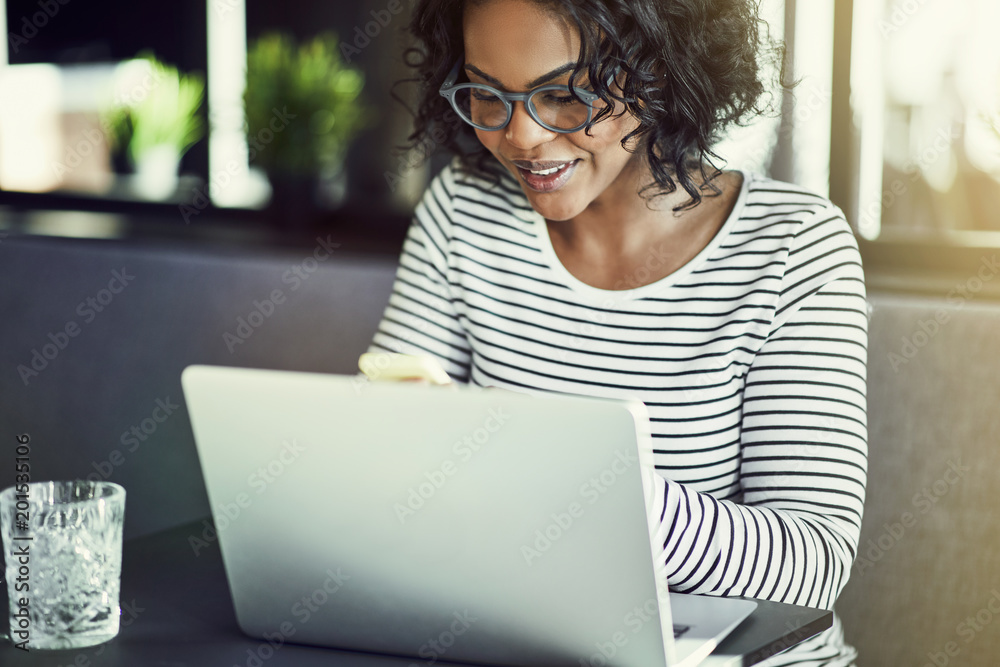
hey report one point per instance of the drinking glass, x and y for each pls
(63, 545)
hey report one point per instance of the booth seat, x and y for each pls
(95, 334)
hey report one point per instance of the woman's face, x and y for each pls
(516, 45)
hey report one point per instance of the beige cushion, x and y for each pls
(925, 589)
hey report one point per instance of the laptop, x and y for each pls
(456, 524)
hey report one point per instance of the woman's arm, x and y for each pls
(420, 317)
(803, 470)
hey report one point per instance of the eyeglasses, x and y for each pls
(555, 107)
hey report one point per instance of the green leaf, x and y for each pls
(167, 114)
(310, 81)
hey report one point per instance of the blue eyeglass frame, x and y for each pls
(449, 89)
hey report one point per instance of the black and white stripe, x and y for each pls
(751, 360)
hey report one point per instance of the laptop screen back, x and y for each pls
(469, 525)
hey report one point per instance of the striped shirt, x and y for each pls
(751, 360)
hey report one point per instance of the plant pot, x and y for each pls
(156, 173)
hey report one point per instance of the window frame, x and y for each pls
(933, 265)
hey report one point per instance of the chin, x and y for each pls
(556, 208)
(559, 205)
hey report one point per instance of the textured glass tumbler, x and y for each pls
(62, 542)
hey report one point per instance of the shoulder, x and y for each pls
(494, 187)
(802, 224)
(811, 241)
(458, 198)
(792, 208)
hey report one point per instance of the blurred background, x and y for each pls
(173, 114)
(272, 117)
(145, 109)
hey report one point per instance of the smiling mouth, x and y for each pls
(545, 176)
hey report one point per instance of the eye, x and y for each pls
(557, 98)
(484, 96)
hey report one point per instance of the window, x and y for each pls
(918, 168)
(927, 82)
(59, 71)
(64, 65)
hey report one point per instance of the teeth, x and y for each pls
(546, 172)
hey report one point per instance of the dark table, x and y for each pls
(177, 612)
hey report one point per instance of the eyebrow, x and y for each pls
(559, 71)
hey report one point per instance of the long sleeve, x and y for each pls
(420, 317)
(803, 468)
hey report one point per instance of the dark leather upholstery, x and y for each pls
(122, 367)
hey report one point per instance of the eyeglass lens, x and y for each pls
(556, 108)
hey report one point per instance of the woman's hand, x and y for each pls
(403, 368)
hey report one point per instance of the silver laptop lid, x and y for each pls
(465, 524)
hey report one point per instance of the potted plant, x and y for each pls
(156, 119)
(302, 108)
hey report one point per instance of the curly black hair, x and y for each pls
(687, 70)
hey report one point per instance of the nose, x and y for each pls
(523, 132)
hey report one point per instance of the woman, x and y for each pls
(583, 243)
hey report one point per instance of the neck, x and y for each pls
(620, 220)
